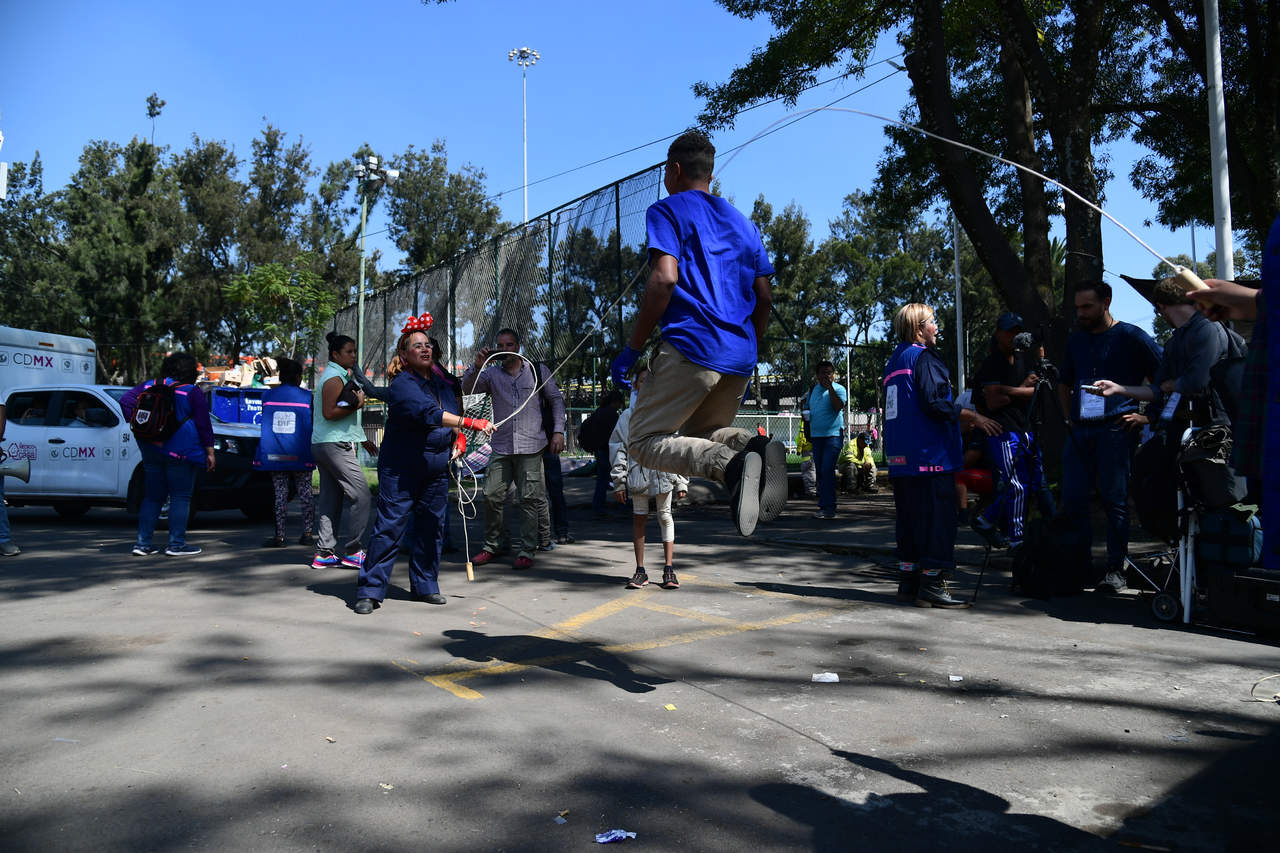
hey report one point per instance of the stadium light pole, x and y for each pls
(526, 58)
(369, 175)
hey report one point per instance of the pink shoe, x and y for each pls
(481, 558)
(523, 563)
(354, 561)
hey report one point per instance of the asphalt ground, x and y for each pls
(233, 700)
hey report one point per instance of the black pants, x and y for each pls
(926, 523)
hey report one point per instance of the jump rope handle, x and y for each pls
(1189, 280)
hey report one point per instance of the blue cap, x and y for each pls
(1009, 321)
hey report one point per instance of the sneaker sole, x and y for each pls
(634, 585)
(773, 497)
(959, 605)
(746, 507)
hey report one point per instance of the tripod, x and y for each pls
(1026, 460)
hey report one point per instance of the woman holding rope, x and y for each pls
(421, 440)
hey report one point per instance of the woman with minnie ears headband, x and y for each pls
(420, 441)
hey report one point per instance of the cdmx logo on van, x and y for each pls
(26, 359)
(73, 452)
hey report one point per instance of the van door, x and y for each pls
(27, 413)
(86, 434)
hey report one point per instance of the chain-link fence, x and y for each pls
(554, 280)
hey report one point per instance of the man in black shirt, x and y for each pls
(1005, 391)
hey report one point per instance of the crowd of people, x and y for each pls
(708, 292)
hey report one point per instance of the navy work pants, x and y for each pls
(1101, 454)
(926, 522)
(404, 494)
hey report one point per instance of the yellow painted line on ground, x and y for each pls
(595, 614)
(685, 613)
(448, 680)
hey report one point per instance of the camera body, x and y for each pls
(1025, 345)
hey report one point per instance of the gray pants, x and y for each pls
(526, 471)
(342, 487)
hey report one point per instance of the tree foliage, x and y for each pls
(146, 250)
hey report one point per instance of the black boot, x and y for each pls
(935, 592)
(908, 582)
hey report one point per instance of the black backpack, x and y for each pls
(1226, 377)
(155, 419)
(1053, 559)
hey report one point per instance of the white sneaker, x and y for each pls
(1116, 581)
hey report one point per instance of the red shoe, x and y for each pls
(523, 563)
(481, 558)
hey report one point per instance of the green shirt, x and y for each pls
(325, 431)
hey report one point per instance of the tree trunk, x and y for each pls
(1019, 128)
(926, 63)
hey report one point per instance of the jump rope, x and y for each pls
(467, 498)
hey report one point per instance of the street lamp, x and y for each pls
(525, 57)
(369, 175)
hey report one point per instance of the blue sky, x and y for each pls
(396, 72)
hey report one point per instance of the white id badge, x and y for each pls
(1092, 406)
(1171, 406)
(891, 402)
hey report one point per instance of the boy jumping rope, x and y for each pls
(709, 289)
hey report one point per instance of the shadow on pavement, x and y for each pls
(946, 814)
(579, 659)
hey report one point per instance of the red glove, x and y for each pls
(475, 423)
(460, 445)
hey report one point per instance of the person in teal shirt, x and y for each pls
(826, 402)
(335, 435)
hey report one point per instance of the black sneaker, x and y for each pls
(566, 539)
(743, 477)
(639, 579)
(773, 482)
(669, 579)
(935, 592)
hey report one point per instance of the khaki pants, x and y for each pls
(700, 404)
(526, 471)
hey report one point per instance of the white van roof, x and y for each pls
(31, 339)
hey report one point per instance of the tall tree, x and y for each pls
(806, 296)
(1171, 117)
(123, 222)
(35, 288)
(1047, 66)
(214, 200)
(436, 213)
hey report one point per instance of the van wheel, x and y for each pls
(259, 510)
(72, 509)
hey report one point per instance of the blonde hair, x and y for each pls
(909, 320)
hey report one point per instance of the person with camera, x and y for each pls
(1100, 445)
(1006, 393)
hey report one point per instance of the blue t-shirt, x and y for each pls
(720, 254)
(1123, 353)
(823, 422)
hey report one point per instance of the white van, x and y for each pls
(83, 454)
(36, 358)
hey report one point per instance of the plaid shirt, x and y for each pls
(524, 433)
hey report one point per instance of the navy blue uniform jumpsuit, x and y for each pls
(413, 481)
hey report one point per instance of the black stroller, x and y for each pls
(1185, 494)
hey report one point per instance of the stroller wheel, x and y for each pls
(1166, 606)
